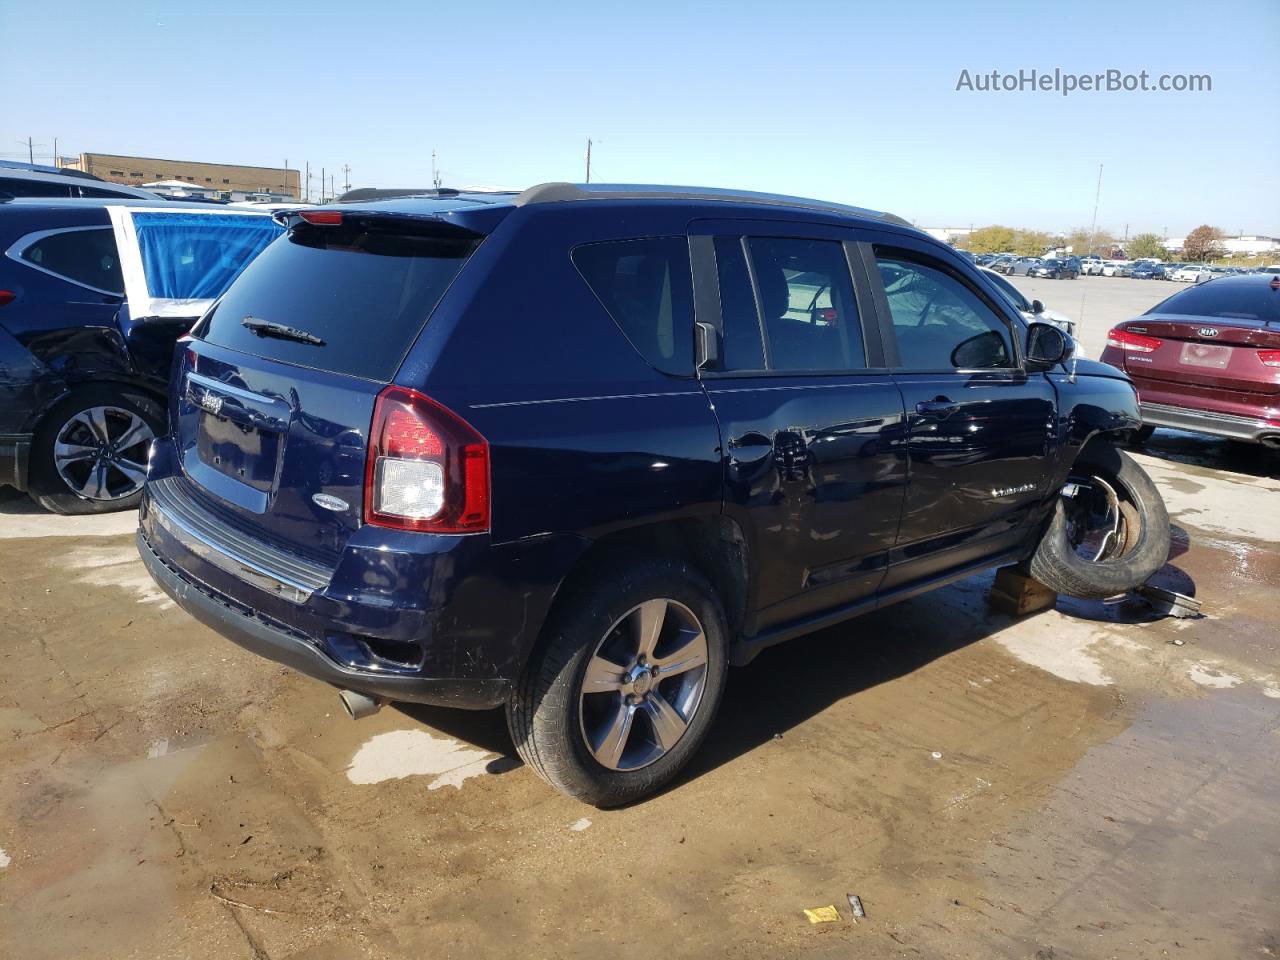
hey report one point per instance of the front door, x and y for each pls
(979, 428)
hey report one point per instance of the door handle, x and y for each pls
(939, 407)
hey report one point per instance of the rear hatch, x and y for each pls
(1223, 335)
(276, 390)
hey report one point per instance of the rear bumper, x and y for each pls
(257, 635)
(1204, 421)
(15, 459)
(446, 620)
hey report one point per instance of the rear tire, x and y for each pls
(1141, 543)
(553, 711)
(65, 458)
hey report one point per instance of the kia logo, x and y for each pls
(1208, 331)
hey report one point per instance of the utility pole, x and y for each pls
(1126, 233)
(31, 156)
(332, 191)
(1093, 227)
(322, 184)
(56, 165)
(308, 199)
(588, 160)
(346, 177)
(286, 174)
(435, 171)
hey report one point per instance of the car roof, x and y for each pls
(89, 203)
(436, 201)
(78, 177)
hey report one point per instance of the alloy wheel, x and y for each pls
(101, 453)
(643, 684)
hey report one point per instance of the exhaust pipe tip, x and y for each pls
(359, 705)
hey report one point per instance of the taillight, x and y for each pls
(7, 297)
(427, 469)
(1132, 342)
(326, 218)
(1270, 357)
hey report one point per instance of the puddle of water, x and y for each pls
(415, 753)
(115, 567)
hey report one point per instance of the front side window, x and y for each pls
(647, 288)
(806, 303)
(86, 257)
(939, 322)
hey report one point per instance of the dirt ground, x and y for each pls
(1086, 782)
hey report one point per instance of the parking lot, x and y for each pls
(1091, 781)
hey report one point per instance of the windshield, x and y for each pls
(1011, 293)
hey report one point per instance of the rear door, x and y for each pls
(810, 420)
(979, 428)
(268, 417)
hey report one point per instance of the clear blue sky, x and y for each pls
(848, 102)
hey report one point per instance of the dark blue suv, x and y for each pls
(575, 451)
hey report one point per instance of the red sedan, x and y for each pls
(1207, 359)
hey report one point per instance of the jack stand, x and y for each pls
(1016, 593)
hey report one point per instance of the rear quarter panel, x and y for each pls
(586, 438)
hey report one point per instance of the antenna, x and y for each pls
(588, 180)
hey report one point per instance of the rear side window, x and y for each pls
(195, 256)
(364, 288)
(807, 306)
(647, 287)
(1225, 301)
(33, 188)
(86, 257)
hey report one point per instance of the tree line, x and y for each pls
(1202, 243)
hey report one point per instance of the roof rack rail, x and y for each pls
(566, 192)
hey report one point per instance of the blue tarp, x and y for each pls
(195, 256)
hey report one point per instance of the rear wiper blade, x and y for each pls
(269, 328)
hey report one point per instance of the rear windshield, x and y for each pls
(364, 289)
(1226, 301)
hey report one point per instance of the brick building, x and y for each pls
(222, 177)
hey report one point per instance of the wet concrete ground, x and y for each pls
(1087, 782)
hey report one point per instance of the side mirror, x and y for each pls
(1037, 306)
(1047, 346)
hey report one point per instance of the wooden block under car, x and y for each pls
(1017, 593)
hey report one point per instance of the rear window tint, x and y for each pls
(364, 288)
(1226, 301)
(647, 287)
(86, 257)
